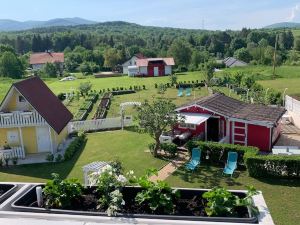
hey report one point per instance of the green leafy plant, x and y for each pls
(50, 157)
(221, 202)
(169, 148)
(15, 160)
(61, 193)
(109, 183)
(158, 196)
(59, 158)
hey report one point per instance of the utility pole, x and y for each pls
(274, 57)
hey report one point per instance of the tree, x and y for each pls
(243, 54)
(181, 51)
(85, 68)
(84, 88)
(237, 43)
(209, 71)
(297, 44)
(111, 58)
(156, 117)
(10, 65)
(49, 69)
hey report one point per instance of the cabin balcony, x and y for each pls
(20, 119)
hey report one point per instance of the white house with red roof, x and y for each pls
(131, 62)
(152, 67)
(38, 60)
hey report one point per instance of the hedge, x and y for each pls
(273, 166)
(218, 152)
(278, 166)
(76, 145)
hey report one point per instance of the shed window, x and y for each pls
(12, 137)
(187, 126)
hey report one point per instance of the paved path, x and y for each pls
(171, 167)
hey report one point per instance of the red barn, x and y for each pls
(152, 67)
(223, 119)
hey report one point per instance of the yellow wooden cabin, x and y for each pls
(32, 119)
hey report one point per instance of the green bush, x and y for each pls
(169, 148)
(218, 152)
(76, 145)
(273, 166)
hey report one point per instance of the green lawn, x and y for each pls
(282, 196)
(127, 146)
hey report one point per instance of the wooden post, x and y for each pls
(51, 143)
(21, 138)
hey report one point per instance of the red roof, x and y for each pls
(37, 93)
(46, 57)
(145, 62)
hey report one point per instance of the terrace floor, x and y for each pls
(290, 136)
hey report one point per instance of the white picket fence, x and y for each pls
(14, 152)
(99, 124)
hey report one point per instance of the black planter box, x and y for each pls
(27, 202)
(6, 190)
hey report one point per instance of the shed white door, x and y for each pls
(43, 139)
(155, 71)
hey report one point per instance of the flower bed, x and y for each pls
(108, 195)
(103, 106)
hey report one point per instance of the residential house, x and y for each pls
(131, 62)
(152, 67)
(223, 119)
(32, 118)
(233, 62)
(38, 60)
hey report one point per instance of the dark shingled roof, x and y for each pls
(45, 102)
(233, 108)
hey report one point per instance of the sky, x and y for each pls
(198, 14)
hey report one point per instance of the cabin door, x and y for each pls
(43, 139)
(156, 71)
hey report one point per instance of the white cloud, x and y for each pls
(294, 13)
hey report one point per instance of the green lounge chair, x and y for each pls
(231, 164)
(188, 92)
(180, 92)
(195, 160)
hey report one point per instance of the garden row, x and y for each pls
(103, 106)
(87, 106)
(249, 157)
(182, 84)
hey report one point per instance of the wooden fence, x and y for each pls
(99, 124)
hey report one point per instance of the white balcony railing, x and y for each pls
(21, 119)
(14, 152)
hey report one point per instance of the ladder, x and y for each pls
(239, 133)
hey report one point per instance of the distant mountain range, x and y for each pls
(283, 25)
(13, 25)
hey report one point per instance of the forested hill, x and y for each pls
(90, 48)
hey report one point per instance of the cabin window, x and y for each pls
(187, 126)
(21, 99)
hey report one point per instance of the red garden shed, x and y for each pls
(224, 119)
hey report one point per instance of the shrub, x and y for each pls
(58, 158)
(273, 166)
(61, 96)
(76, 145)
(14, 160)
(50, 157)
(217, 152)
(169, 148)
(61, 193)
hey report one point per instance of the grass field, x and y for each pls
(127, 146)
(282, 196)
